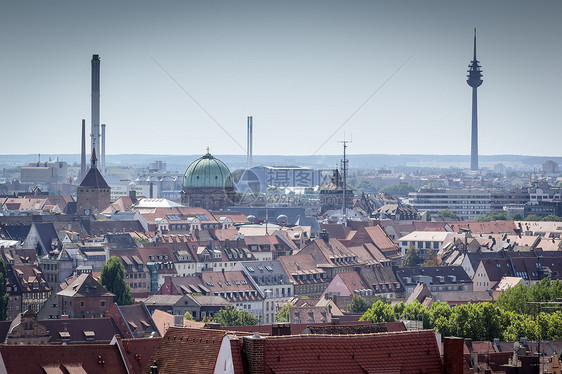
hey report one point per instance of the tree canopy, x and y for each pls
(494, 215)
(412, 256)
(516, 313)
(358, 304)
(283, 313)
(231, 316)
(112, 278)
(447, 213)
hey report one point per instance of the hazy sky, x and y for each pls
(300, 68)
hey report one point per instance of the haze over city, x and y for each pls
(301, 69)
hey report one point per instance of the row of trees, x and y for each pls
(519, 311)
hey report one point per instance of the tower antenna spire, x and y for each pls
(474, 80)
(344, 164)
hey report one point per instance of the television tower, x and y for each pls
(474, 80)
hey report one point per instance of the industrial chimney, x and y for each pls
(83, 167)
(103, 148)
(250, 140)
(96, 104)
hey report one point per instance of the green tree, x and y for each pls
(112, 278)
(3, 295)
(188, 316)
(439, 314)
(358, 304)
(532, 217)
(447, 213)
(398, 190)
(231, 316)
(283, 313)
(517, 217)
(494, 215)
(412, 257)
(552, 218)
(416, 312)
(379, 312)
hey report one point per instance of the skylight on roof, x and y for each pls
(202, 217)
(173, 217)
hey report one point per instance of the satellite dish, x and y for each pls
(251, 218)
(87, 212)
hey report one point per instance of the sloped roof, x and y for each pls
(402, 352)
(94, 179)
(85, 286)
(185, 350)
(62, 358)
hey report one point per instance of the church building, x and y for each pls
(207, 184)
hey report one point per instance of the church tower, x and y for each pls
(474, 80)
(93, 194)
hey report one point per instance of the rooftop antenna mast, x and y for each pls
(344, 164)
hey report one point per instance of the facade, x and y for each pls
(271, 278)
(467, 204)
(27, 289)
(85, 298)
(45, 172)
(207, 184)
(438, 279)
(93, 194)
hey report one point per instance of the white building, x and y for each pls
(467, 204)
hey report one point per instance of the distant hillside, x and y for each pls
(321, 161)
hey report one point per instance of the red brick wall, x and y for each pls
(453, 355)
(253, 352)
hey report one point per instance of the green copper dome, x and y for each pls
(207, 172)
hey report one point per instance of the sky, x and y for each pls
(180, 76)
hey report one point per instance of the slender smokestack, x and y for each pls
(251, 119)
(83, 166)
(248, 143)
(103, 148)
(96, 103)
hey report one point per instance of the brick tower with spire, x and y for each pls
(93, 194)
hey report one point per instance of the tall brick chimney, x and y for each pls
(253, 352)
(453, 349)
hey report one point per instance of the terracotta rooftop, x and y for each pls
(61, 359)
(403, 352)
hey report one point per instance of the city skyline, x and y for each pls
(178, 78)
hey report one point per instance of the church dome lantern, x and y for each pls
(207, 171)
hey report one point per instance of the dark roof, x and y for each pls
(94, 179)
(46, 232)
(62, 359)
(294, 214)
(134, 321)
(17, 232)
(433, 272)
(103, 328)
(120, 241)
(105, 227)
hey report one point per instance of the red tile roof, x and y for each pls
(403, 352)
(92, 358)
(184, 350)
